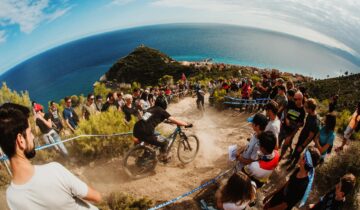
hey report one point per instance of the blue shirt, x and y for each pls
(68, 115)
(326, 137)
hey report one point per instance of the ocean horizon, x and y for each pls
(72, 68)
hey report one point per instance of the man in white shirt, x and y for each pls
(40, 187)
(274, 123)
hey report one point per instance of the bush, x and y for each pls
(4, 176)
(101, 89)
(219, 98)
(329, 174)
(109, 122)
(342, 120)
(121, 201)
(8, 95)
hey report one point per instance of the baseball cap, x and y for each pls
(38, 107)
(258, 119)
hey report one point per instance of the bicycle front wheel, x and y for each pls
(139, 162)
(188, 148)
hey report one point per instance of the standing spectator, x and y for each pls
(290, 94)
(335, 198)
(324, 141)
(236, 193)
(200, 98)
(40, 187)
(246, 90)
(333, 103)
(265, 87)
(293, 120)
(261, 170)
(274, 123)
(250, 153)
(43, 121)
(274, 91)
(144, 102)
(120, 99)
(55, 117)
(281, 100)
(128, 108)
(70, 117)
(289, 85)
(99, 103)
(308, 133)
(298, 188)
(151, 97)
(111, 102)
(351, 128)
(89, 107)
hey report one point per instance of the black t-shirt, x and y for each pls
(128, 112)
(107, 105)
(274, 92)
(332, 106)
(266, 84)
(312, 124)
(151, 118)
(295, 115)
(43, 127)
(328, 202)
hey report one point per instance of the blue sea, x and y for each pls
(72, 68)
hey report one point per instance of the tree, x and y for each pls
(8, 95)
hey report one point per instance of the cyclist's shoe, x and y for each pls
(164, 158)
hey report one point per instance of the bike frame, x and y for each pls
(172, 137)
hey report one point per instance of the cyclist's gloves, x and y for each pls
(189, 126)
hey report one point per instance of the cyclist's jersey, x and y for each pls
(151, 118)
(200, 94)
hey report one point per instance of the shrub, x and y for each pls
(219, 98)
(122, 201)
(8, 95)
(4, 176)
(101, 89)
(343, 120)
(109, 122)
(329, 174)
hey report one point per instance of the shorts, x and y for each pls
(348, 132)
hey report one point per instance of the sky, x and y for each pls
(29, 27)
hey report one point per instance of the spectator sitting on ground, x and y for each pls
(70, 116)
(324, 140)
(40, 187)
(298, 187)
(351, 128)
(236, 193)
(111, 102)
(250, 153)
(260, 170)
(335, 198)
(89, 107)
(50, 136)
(274, 123)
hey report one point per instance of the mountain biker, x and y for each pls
(144, 129)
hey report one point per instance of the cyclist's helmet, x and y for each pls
(161, 102)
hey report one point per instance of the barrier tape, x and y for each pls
(192, 191)
(4, 157)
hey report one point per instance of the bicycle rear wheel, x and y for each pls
(188, 148)
(139, 162)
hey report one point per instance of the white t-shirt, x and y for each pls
(254, 170)
(274, 126)
(51, 187)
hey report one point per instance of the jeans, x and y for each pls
(53, 137)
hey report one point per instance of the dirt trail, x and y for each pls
(216, 131)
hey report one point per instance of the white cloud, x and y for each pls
(28, 14)
(2, 36)
(334, 23)
(121, 2)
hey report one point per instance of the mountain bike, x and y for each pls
(142, 159)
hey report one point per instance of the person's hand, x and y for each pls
(189, 125)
